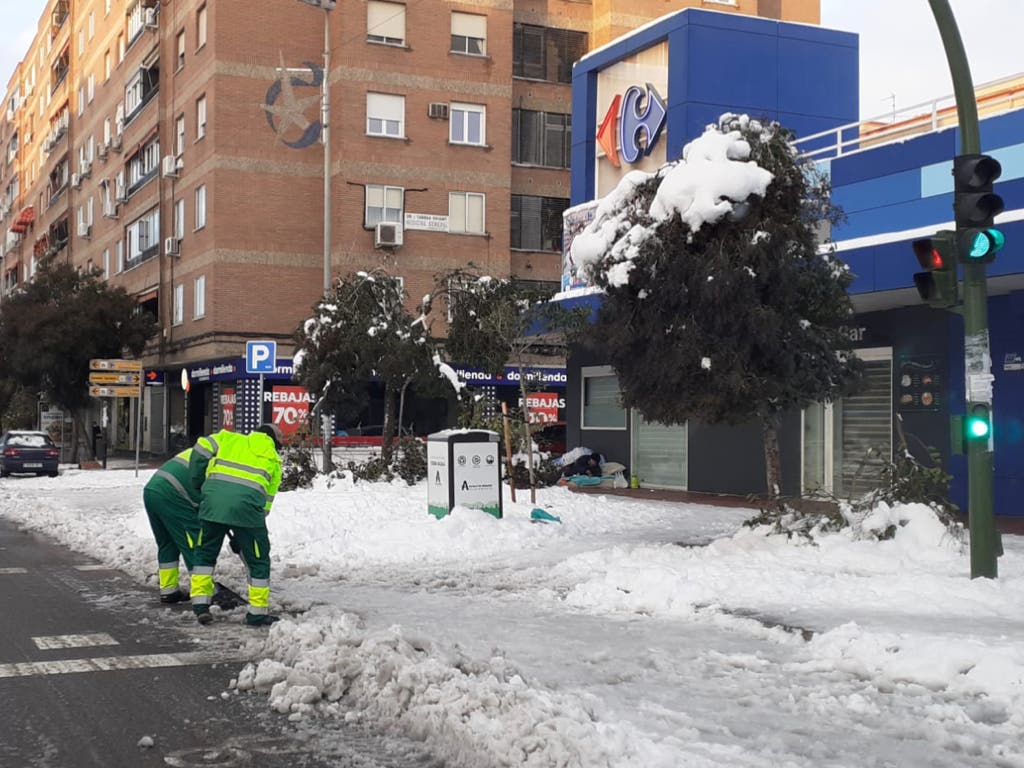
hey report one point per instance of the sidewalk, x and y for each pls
(1009, 524)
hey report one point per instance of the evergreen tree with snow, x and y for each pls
(721, 306)
(359, 332)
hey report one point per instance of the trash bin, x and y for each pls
(463, 470)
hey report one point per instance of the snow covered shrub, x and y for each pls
(372, 470)
(298, 467)
(410, 462)
(545, 473)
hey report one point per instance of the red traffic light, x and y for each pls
(928, 255)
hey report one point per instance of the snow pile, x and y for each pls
(714, 174)
(472, 711)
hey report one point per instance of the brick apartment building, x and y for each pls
(176, 146)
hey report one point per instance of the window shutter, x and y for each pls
(385, 20)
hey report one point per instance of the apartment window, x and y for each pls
(81, 100)
(466, 124)
(385, 23)
(200, 117)
(181, 49)
(106, 66)
(179, 135)
(201, 27)
(92, 24)
(200, 206)
(544, 53)
(143, 237)
(199, 298)
(120, 255)
(141, 88)
(466, 212)
(106, 132)
(135, 21)
(143, 165)
(179, 219)
(383, 203)
(91, 88)
(385, 115)
(106, 7)
(541, 138)
(120, 48)
(537, 222)
(106, 263)
(179, 305)
(469, 34)
(602, 408)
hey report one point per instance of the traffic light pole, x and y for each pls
(978, 361)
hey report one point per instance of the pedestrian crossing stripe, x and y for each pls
(109, 664)
(8, 571)
(51, 642)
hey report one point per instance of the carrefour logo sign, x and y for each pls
(632, 125)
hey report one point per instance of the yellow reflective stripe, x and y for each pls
(221, 462)
(188, 538)
(259, 599)
(256, 548)
(168, 579)
(202, 588)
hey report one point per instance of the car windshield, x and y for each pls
(29, 441)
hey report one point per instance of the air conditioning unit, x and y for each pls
(102, 151)
(84, 230)
(171, 166)
(76, 180)
(85, 169)
(121, 194)
(116, 143)
(149, 18)
(438, 111)
(172, 246)
(109, 209)
(387, 234)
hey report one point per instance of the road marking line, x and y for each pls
(50, 642)
(6, 571)
(109, 664)
(93, 568)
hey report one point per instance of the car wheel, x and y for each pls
(53, 474)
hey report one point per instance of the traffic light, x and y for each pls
(975, 207)
(936, 285)
(977, 423)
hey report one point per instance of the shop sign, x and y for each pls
(555, 377)
(632, 125)
(227, 409)
(289, 407)
(543, 406)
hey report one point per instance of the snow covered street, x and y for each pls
(616, 638)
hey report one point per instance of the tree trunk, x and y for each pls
(388, 431)
(529, 438)
(772, 459)
(78, 427)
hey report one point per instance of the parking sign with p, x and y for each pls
(260, 356)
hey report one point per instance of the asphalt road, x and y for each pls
(94, 671)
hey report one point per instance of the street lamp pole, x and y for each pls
(325, 136)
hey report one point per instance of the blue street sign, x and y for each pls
(260, 356)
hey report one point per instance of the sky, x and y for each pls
(900, 49)
(631, 634)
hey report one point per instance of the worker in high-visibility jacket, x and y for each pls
(172, 506)
(239, 476)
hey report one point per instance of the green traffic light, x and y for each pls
(977, 427)
(997, 238)
(980, 244)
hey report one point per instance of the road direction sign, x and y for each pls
(132, 366)
(260, 356)
(96, 391)
(114, 378)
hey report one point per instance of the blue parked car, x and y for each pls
(22, 451)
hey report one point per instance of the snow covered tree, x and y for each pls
(494, 322)
(362, 331)
(53, 327)
(721, 305)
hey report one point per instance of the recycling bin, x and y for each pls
(463, 470)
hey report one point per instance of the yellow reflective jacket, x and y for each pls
(240, 475)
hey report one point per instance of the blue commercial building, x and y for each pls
(640, 99)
